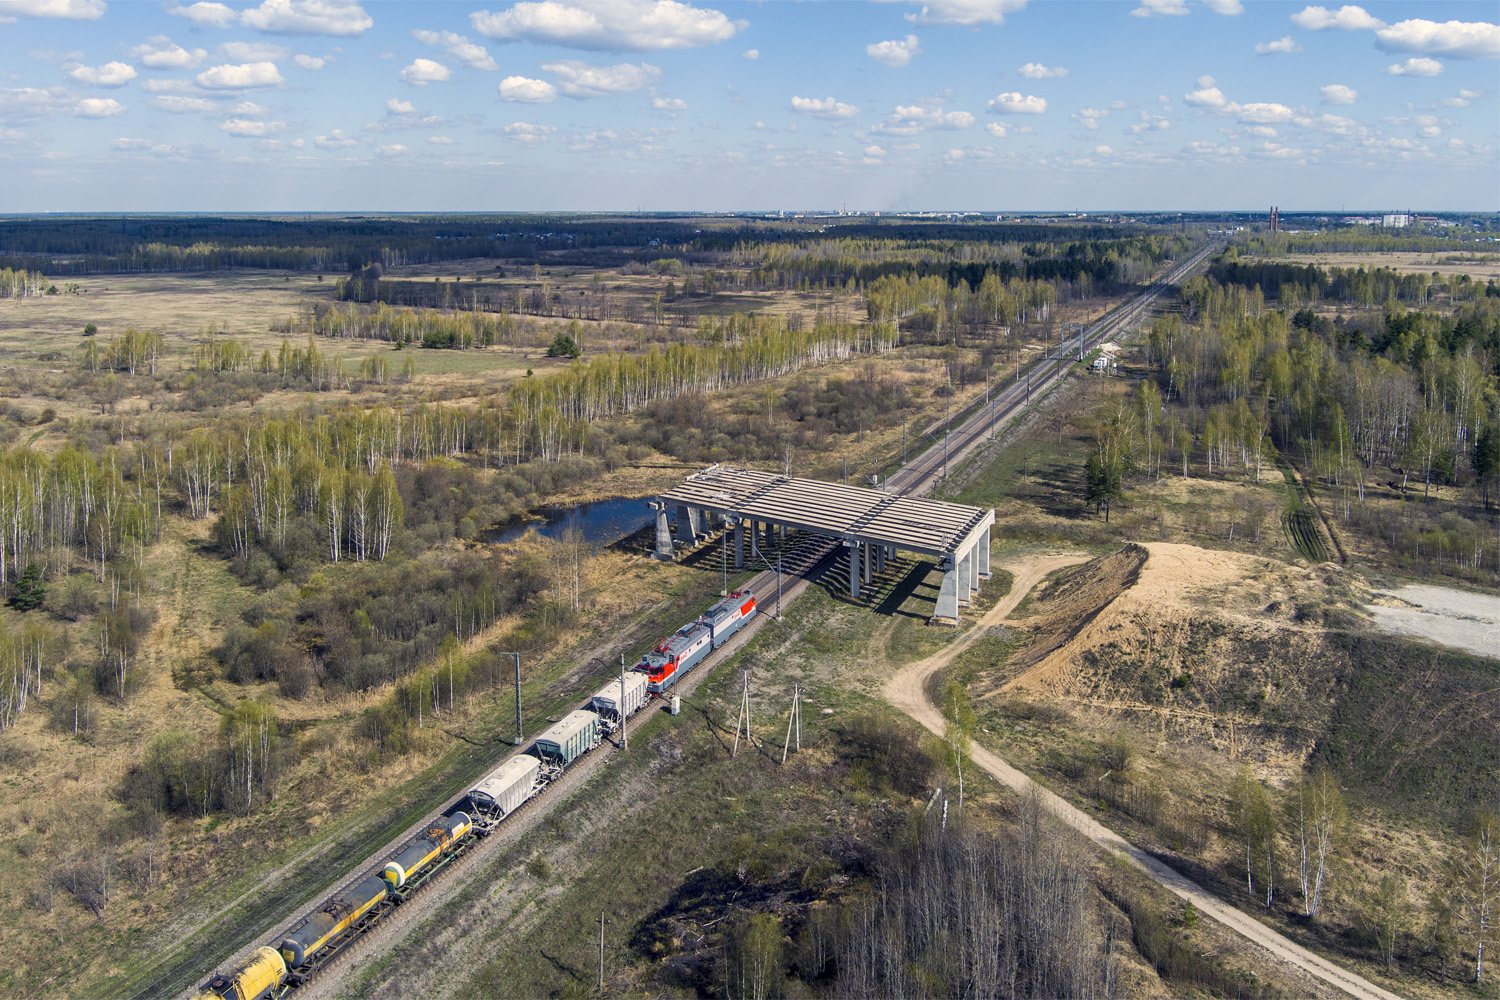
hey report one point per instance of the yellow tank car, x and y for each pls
(254, 979)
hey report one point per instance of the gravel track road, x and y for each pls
(907, 691)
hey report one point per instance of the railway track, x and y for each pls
(800, 561)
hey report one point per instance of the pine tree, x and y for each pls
(29, 589)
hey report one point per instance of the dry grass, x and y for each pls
(1480, 267)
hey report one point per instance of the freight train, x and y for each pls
(320, 937)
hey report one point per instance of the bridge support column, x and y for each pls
(770, 541)
(867, 560)
(964, 582)
(687, 524)
(853, 548)
(984, 555)
(739, 545)
(663, 533)
(754, 527)
(947, 602)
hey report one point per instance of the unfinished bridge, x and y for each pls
(871, 524)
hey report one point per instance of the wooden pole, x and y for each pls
(624, 712)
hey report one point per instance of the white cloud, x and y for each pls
(1036, 71)
(249, 109)
(1465, 98)
(1149, 123)
(1004, 130)
(1160, 8)
(113, 74)
(1416, 66)
(1459, 39)
(751, 54)
(396, 106)
(169, 86)
(98, 107)
(424, 71)
(128, 145)
(1206, 95)
(1089, 117)
(245, 128)
(184, 105)
(440, 140)
(308, 17)
(1283, 44)
(527, 91)
(826, 108)
(468, 53)
(160, 52)
(1262, 113)
(309, 62)
(897, 52)
(1015, 104)
(242, 77)
(1228, 8)
(583, 80)
(395, 149)
(1346, 18)
(1103, 151)
(337, 139)
(526, 133)
(1262, 131)
(246, 52)
(608, 25)
(923, 116)
(669, 104)
(67, 10)
(26, 104)
(874, 151)
(1337, 93)
(964, 12)
(207, 13)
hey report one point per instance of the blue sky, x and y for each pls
(332, 105)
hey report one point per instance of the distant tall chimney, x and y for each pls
(1275, 219)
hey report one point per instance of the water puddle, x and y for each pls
(602, 523)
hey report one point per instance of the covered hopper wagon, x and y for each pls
(574, 736)
(619, 699)
(504, 789)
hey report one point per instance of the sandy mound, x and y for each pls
(1136, 598)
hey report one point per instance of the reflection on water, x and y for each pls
(602, 523)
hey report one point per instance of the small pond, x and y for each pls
(602, 523)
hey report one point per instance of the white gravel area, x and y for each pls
(1457, 618)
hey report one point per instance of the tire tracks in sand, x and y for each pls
(907, 691)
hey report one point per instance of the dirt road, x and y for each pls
(908, 692)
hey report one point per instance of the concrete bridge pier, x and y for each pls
(663, 549)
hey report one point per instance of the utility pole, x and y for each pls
(903, 443)
(624, 713)
(794, 721)
(947, 426)
(724, 560)
(601, 951)
(744, 718)
(519, 733)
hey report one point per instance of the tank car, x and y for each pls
(338, 914)
(253, 979)
(424, 849)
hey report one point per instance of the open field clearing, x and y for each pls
(1481, 267)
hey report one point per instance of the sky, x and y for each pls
(661, 105)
